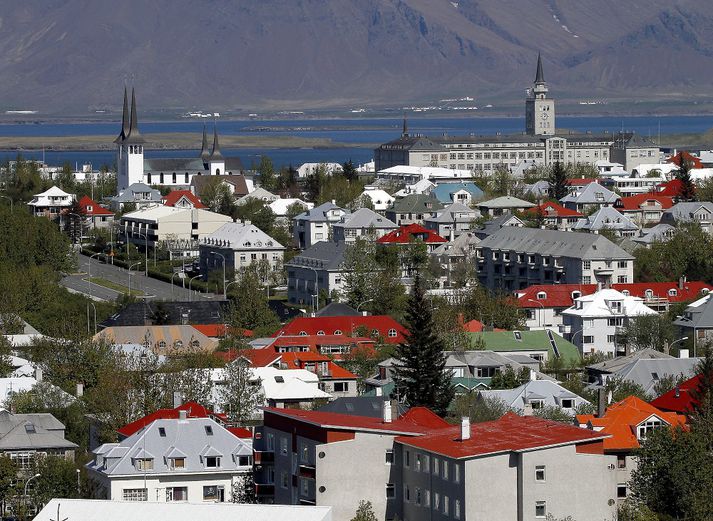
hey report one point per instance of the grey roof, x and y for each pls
(415, 203)
(199, 182)
(366, 218)
(506, 201)
(129, 194)
(585, 246)
(684, 212)
(241, 236)
(337, 309)
(589, 195)
(407, 142)
(551, 393)
(189, 437)
(318, 213)
(197, 312)
(697, 316)
(321, 255)
(658, 233)
(646, 372)
(607, 217)
(370, 406)
(459, 211)
(616, 364)
(633, 140)
(259, 193)
(32, 431)
(539, 188)
(462, 245)
(501, 221)
(540, 76)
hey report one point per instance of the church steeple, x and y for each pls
(134, 137)
(124, 120)
(540, 76)
(205, 152)
(215, 155)
(404, 133)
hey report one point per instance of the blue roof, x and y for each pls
(443, 191)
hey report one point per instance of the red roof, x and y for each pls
(693, 160)
(583, 181)
(476, 326)
(87, 202)
(551, 209)
(218, 330)
(381, 325)
(621, 420)
(409, 233)
(511, 433)
(679, 400)
(174, 196)
(634, 202)
(195, 410)
(670, 188)
(299, 360)
(240, 432)
(418, 420)
(560, 295)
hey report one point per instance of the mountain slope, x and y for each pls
(73, 55)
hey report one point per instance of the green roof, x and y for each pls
(507, 341)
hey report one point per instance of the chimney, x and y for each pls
(38, 374)
(379, 391)
(683, 353)
(681, 281)
(80, 390)
(533, 375)
(387, 411)
(177, 400)
(527, 409)
(601, 402)
(182, 415)
(678, 391)
(464, 428)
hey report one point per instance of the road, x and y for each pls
(152, 288)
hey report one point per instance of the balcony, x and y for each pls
(261, 457)
(307, 471)
(264, 489)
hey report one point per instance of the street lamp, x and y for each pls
(190, 281)
(364, 302)
(130, 267)
(24, 496)
(90, 303)
(225, 294)
(571, 339)
(172, 286)
(230, 284)
(89, 272)
(146, 250)
(669, 346)
(539, 322)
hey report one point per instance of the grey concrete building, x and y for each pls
(514, 258)
(315, 225)
(316, 271)
(362, 223)
(451, 221)
(632, 150)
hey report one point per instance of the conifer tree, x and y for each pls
(688, 189)
(558, 181)
(421, 377)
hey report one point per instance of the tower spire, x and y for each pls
(205, 153)
(134, 135)
(215, 154)
(124, 120)
(404, 133)
(540, 76)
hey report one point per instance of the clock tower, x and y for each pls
(539, 109)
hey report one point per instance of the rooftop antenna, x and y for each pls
(58, 516)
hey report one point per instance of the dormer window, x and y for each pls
(320, 333)
(541, 295)
(649, 293)
(575, 295)
(625, 293)
(646, 427)
(518, 335)
(672, 292)
(177, 463)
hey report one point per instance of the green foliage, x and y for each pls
(619, 389)
(8, 479)
(554, 413)
(704, 189)
(648, 331)
(686, 253)
(216, 196)
(58, 478)
(478, 408)
(240, 398)
(24, 180)
(322, 186)
(421, 377)
(688, 189)
(364, 512)
(268, 179)
(349, 171)
(502, 182)
(509, 379)
(667, 383)
(249, 307)
(244, 489)
(492, 309)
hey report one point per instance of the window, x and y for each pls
(611, 339)
(456, 473)
(567, 403)
(320, 333)
(270, 441)
(135, 494)
(284, 479)
(445, 505)
(621, 491)
(176, 493)
(418, 462)
(341, 387)
(407, 493)
(647, 426)
(407, 458)
(435, 466)
(390, 491)
(586, 265)
(621, 461)
(244, 461)
(456, 509)
(213, 493)
(444, 472)
(540, 473)
(208, 430)
(304, 453)
(389, 457)
(212, 462)
(617, 321)
(338, 332)
(622, 279)
(176, 463)
(304, 486)
(540, 508)
(392, 333)
(162, 432)
(418, 496)
(436, 501)
(587, 339)
(622, 264)
(283, 445)
(144, 464)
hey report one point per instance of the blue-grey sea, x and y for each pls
(360, 133)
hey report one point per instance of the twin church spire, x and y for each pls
(129, 134)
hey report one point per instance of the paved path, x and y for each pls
(152, 288)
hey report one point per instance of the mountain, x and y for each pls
(76, 55)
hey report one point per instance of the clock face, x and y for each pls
(544, 115)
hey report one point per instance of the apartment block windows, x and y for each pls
(456, 509)
(284, 481)
(270, 441)
(540, 473)
(390, 491)
(444, 471)
(389, 457)
(540, 509)
(586, 265)
(436, 469)
(587, 339)
(304, 453)
(407, 458)
(135, 494)
(621, 491)
(283, 445)
(456, 473)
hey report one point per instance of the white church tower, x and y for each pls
(130, 148)
(539, 109)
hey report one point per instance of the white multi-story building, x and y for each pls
(315, 225)
(595, 322)
(51, 203)
(191, 460)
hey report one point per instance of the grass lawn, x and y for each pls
(113, 285)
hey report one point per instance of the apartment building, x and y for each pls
(315, 272)
(514, 258)
(315, 225)
(695, 212)
(362, 223)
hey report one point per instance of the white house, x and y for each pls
(595, 320)
(191, 460)
(315, 225)
(280, 207)
(307, 169)
(51, 203)
(378, 197)
(238, 245)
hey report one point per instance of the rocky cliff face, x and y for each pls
(75, 55)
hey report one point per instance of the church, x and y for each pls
(540, 144)
(178, 172)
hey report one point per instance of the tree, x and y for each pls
(558, 181)
(502, 181)
(258, 213)
(244, 489)
(57, 478)
(509, 379)
(349, 171)
(478, 408)
(65, 179)
(704, 189)
(687, 253)
(648, 331)
(421, 377)
(683, 174)
(8, 478)
(249, 308)
(240, 395)
(268, 179)
(364, 512)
